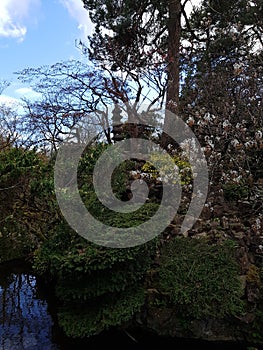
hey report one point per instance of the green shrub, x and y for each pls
(97, 287)
(28, 207)
(201, 279)
(84, 320)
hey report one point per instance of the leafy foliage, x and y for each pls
(29, 210)
(132, 37)
(97, 287)
(98, 315)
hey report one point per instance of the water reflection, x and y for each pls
(24, 320)
(28, 321)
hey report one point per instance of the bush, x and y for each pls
(97, 287)
(201, 279)
(28, 208)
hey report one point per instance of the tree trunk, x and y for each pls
(173, 69)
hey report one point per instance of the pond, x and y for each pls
(28, 321)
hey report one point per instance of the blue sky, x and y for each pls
(38, 32)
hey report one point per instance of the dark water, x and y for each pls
(24, 320)
(28, 321)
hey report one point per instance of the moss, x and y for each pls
(201, 279)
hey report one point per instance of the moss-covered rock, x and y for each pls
(201, 279)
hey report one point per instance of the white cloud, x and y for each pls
(9, 101)
(16, 103)
(77, 11)
(13, 14)
(27, 92)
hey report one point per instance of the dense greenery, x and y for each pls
(29, 210)
(97, 287)
(201, 279)
(137, 52)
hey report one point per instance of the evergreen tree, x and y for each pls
(141, 36)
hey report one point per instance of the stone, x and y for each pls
(243, 281)
(238, 235)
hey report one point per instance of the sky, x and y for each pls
(38, 32)
(34, 33)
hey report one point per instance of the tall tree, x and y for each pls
(173, 68)
(174, 38)
(140, 36)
